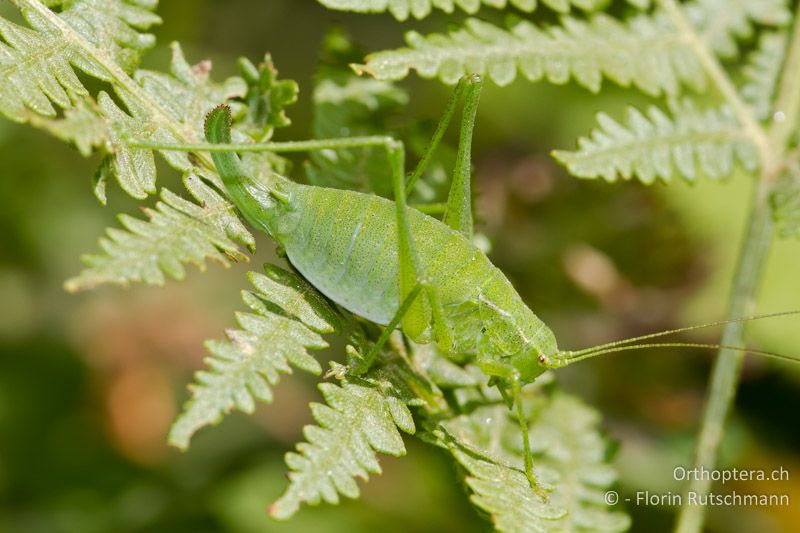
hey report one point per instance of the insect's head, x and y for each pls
(533, 362)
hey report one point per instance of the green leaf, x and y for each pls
(36, 70)
(504, 493)
(359, 420)
(265, 101)
(646, 52)
(177, 232)
(177, 105)
(654, 145)
(570, 456)
(401, 9)
(104, 39)
(721, 22)
(115, 27)
(294, 296)
(82, 125)
(37, 64)
(762, 71)
(244, 367)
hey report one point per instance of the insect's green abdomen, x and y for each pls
(345, 244)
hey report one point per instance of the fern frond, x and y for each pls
(81, 125)
(181, 100)
(38, 64)
(655, 145)
(115, 27)
(570, 456)
(506, 496)
(177, 232)
(401, 9)
(101, 39)
(187, 234)
(721, 23)
(36, 68)
(762, 71)
(168, 108)
(645, 51)
(360, 419)
(243, 368)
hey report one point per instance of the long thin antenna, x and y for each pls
(581, 357)
(622, 342)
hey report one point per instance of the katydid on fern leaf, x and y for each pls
(398, 267)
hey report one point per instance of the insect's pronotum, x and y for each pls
(393, 265)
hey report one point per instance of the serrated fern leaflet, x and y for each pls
(401, 9)
(178, 232)
(282, 327)
(37, 65)
(653, 145)
(359, 420)
(645, 52)
(762, 71)
(720, 23)
(105, 41)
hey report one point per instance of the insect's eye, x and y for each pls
(542, 359)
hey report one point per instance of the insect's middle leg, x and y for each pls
(417, 317)
(428, 309)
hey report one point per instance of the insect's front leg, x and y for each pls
(509, 378)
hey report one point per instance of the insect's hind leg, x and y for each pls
(458, 210)
(458, 214)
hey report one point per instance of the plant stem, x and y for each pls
(749, 271)
(725, 375)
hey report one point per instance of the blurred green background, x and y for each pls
(90, 383)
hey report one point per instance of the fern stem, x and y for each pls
(749, 271)
(723, 82)
(728, 364)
